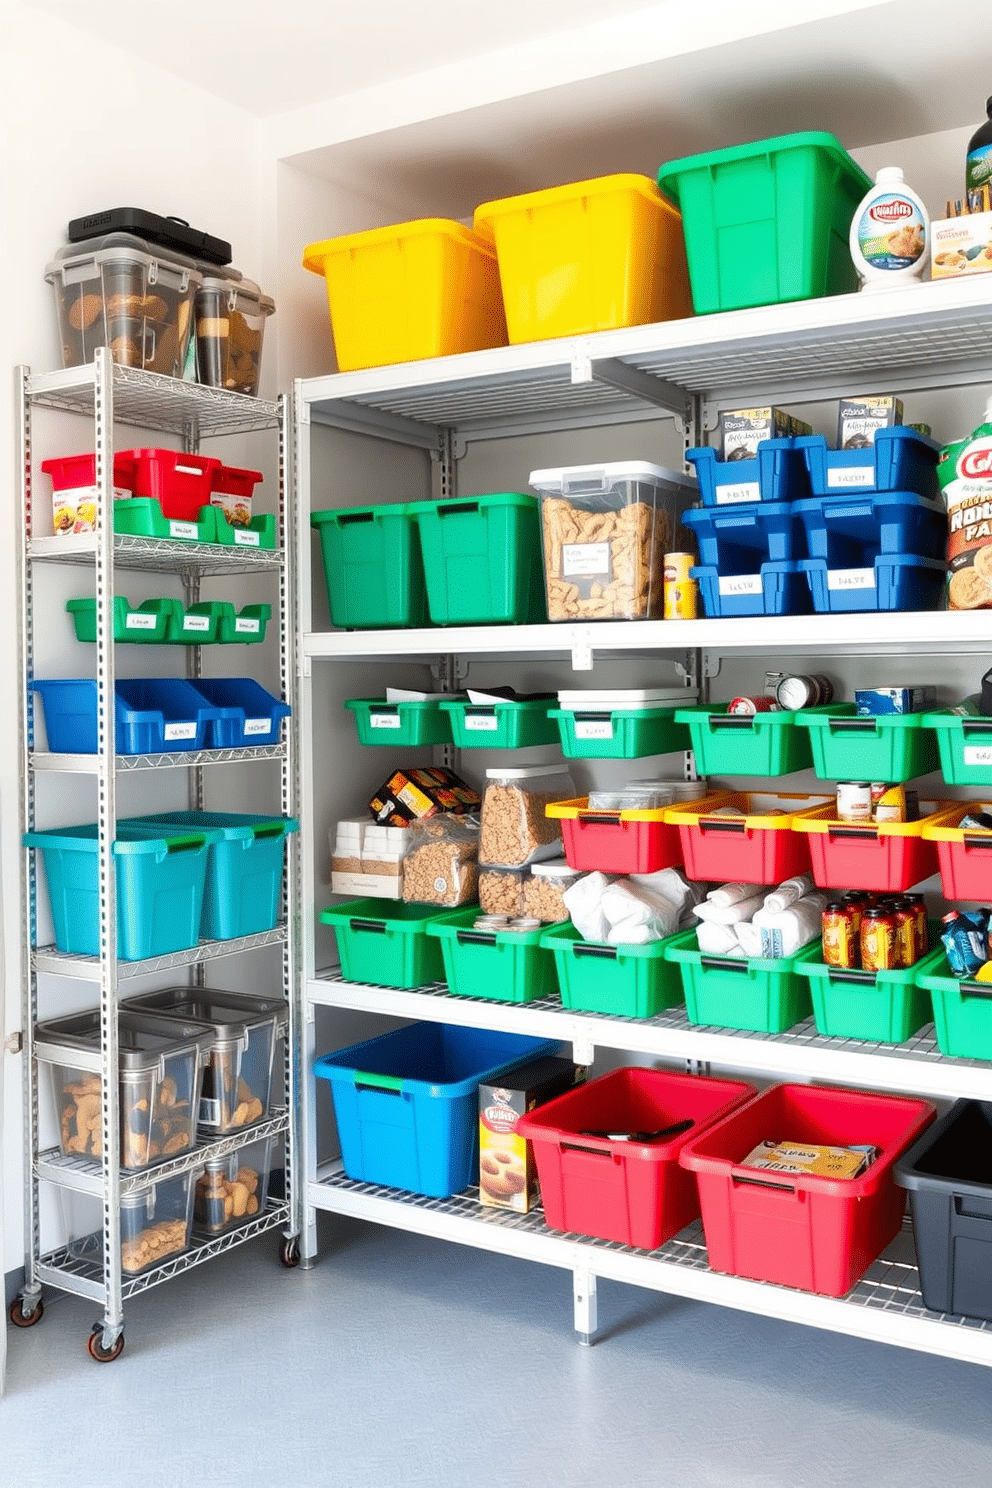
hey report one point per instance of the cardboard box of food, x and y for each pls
(411, 795)
(961, 245)
(507, 1173)
(859, 419)
(812, 1159)
(879, 701)
(741, 430)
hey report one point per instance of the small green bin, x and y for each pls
(744, 744)
(619, 733)
(962, 1008)
(502, 725)
(413, 722)
(891, 747)
(148, 622)
(885, 1007)
(501, 965)
(759, 994)
(482, 559)
(142, 517)
(195, 625)
(244, 627)
(623, 981)
(386, 943)
(965, 747)
(767, 222)
(260, 532)
(372, 567)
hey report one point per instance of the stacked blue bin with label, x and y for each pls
(875, 525)
(751, 540)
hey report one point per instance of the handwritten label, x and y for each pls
(481, 723)
(257, 726)
(732, 495)
(977, 754)
(850, 578)
(196, 622)
(594, 728)
(583, 559)
(384, 721)
(247, 627)
(174, 731)
(140, 622)
(245, 539)
(851, 475)
(741, 584)
(188, 531)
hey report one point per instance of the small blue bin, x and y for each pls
(153, 716)
(777, 473)
(729, 537)
(770, 589)
(406, 1103)
(247, 714)
(160, 888)
(899, 460)
(892, 582)
(850, 531)
(244, 867)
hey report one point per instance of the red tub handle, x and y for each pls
(719, 824)
(599, 819)
(789, 1188)
(593, 1151)
(864, 834)
(973, 840)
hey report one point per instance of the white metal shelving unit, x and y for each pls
(106, 395)
(931, 336)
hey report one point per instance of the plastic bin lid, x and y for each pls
(118, 245)
(587, 480)
(315, 253)
(227, 1013)
(557, 868)
(527, 772)
(143, 1039)
(165, 232)
(814, 140)
(237, 288)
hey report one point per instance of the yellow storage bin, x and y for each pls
(403, 293)
(588, 257)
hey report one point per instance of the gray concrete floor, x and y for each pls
(400, 1360)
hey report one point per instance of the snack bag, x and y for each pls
(965, 476)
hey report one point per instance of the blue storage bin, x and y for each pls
(893, 581)
(160, 887)
(771, 589)
(153, 716)
(899, 460)
(850, 531)
(729, 537)
(244, 867)
(777, 473)
(407, 1103)
(247, 714)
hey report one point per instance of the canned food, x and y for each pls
(804, 691)
(681, 599)
(677, 566)
(752, 705)
(856, 901)
(922, 926)
(854, 800)
(904, 916)
(878, 940)
(840, 936)
(891, 805)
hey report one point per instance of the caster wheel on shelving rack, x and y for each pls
(21, 1319)
(96, 1350)
(289, 1252)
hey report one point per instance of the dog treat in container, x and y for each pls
(854, 800)
(841, 938)
(878, 940)
(442, 864)
(544, 889)
(515, 830)
(501, 891)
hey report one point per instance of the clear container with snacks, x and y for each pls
(232, 1190)
(544, 889)
(515, 829)
(155, 1223)
(606, 530)
(442, 861)
(230, 323)
(502, 891)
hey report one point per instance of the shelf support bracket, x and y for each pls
(631, 380)
(584, 1295)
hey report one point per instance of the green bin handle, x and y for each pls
(364, 1081)
(185, 844)
(270, 829)
(976, 989)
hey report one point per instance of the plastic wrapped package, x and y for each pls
(442, 862)
(515, 830)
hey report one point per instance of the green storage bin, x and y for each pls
(147, 622)
(626, 981)
(760, 994)
(501, 965)
(260, 532)
(482, 559)
(372, 567)
(964, 745)
(245, 626)
(506, 725)
(892, 747)
(740, 744)
(386, 943)
(142, 517)
(962, 1008)
(195, 625)
(379, 722)
(619, 733)
(767, 222)
(885, 1007)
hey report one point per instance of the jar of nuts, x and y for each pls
(501, 890)
(515, 829)
(544, 889)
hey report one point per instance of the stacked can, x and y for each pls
(681, 591)
(875, 932)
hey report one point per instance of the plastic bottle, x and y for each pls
(978, 162)
(890, 234)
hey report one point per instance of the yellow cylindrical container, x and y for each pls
(681, 599)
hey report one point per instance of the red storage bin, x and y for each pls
(636, 841)
(758, 847)
(874, 855)
(179, 482)
(818, 1234)
(633, 1192)
(964, 858)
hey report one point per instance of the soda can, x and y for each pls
(922, 926)
(904, 915)
(681, 597)
(878, 940)
(840, 937)
(752, 705)
(804, 691)
(854, 800)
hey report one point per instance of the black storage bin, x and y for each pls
(948, 1173)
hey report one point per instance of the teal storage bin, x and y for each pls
(620, 733)
(759, 994)
(502, 965)
(407, 723)
(767, 222)
(372, 567)
(744, 744)
(386, 943)
(482, 559)
(244, 867)
(890, 747)
(161, 876)
(621, 981)
(964, 745)
(504, 725)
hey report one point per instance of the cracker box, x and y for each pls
(961, 245)
(411, 795)
(507, 1172)
(859, 420)
(742, 430)
(811, 1159)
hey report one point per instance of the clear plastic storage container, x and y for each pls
(515, 829)
(230, 324)
(232, 1190)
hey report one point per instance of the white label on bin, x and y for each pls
(385, 720)
(594, 728)
(851, 475)
(257, 726)
(584, 558)
(247, 627)
(196, 622)
(977, 754)
(731, 495)
(209, 1111)
(245, 539)
(140, 622)
(179, 731)
(741, 584)
(481, 723)
(188, 530)
(850, 578)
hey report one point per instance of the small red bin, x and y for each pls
(758, 846)
(964, 857)
(874, 855)
(640, 840)
(629, 1191)
(817, 1234)
(179, 482)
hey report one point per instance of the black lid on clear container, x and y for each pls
(166, 232)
